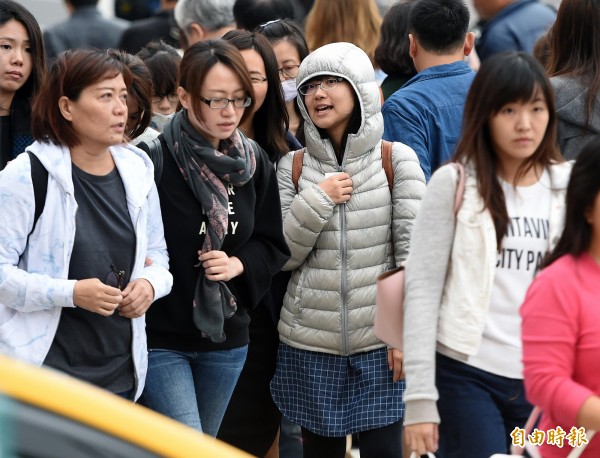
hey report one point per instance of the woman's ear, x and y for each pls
(64, 105)
(183, 98)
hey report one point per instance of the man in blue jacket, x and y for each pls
(511, 25)
(426, 113)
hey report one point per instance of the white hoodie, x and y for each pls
(33, 276)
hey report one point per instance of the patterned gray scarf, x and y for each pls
(207, 171)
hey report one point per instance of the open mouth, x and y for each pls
(323, 108)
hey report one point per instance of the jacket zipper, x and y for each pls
(344, 273)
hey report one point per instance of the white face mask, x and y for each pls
(289, 89)
(159, 120)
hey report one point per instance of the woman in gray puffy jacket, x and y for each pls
(344, 225)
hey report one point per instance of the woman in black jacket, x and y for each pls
(223, 229)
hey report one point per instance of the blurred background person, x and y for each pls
(23, 68)
(86, 27)
(161, 26)
(574, 68)
(249, 14)
(510, 25)
(393, 54)
(139, 98)
(201, 20)
(163, 63)
(353, 21)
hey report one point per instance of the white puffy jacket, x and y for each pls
(339, 250)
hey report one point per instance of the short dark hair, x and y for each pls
(506, 77)
(197, 61)
(271, 120)
(440, 26)
(584, 186)
(10, 10)
(69, 75)
(163, 62)
(392, 54)
(249, 14)
(140, 89)
(81, 3)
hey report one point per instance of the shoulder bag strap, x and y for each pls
(386, 161)
(297, 162)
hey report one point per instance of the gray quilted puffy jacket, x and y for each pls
(339, 250)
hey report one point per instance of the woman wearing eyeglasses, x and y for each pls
(345, 224)
(223, 230)
(251, 403)
(289, 45)
(73, 283)
(163, 62)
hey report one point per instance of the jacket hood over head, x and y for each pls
(351, 63)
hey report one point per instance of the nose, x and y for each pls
(228, 109)
(524, 120)
(319, 92)
(120, 105)
(164, 105)
(17, 57)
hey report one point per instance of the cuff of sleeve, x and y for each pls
(421, 411)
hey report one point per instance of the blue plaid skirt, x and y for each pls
(333, 395)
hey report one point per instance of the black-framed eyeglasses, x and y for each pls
(326, 85)
(172, 98)
(220, 103)
(115, 277)
(289, 71)
(257, 80)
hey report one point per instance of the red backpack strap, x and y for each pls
(386, 160)
(297, 162)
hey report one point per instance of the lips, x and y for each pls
(15, 74)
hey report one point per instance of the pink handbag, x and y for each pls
(389, 311)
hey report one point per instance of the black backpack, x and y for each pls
(39, 178)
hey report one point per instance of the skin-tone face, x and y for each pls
(331, 109)
(164, 105)
(98, 116)
(287, 57)
(216, 124)
(256, 68)
(518, 129)
(16, 63)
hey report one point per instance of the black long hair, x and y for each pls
(271, 121)
(583, 188)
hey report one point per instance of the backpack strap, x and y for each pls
(297, 162)
(386, 161)
(39, 178)
(460, 186)
(155, 153)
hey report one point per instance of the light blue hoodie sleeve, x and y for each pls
(21, 290)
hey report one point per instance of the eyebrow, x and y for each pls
(289, 61)
(12, 40)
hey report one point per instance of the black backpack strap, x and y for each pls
(155, 153)
(39, 178)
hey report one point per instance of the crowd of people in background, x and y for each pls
(196, 205)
